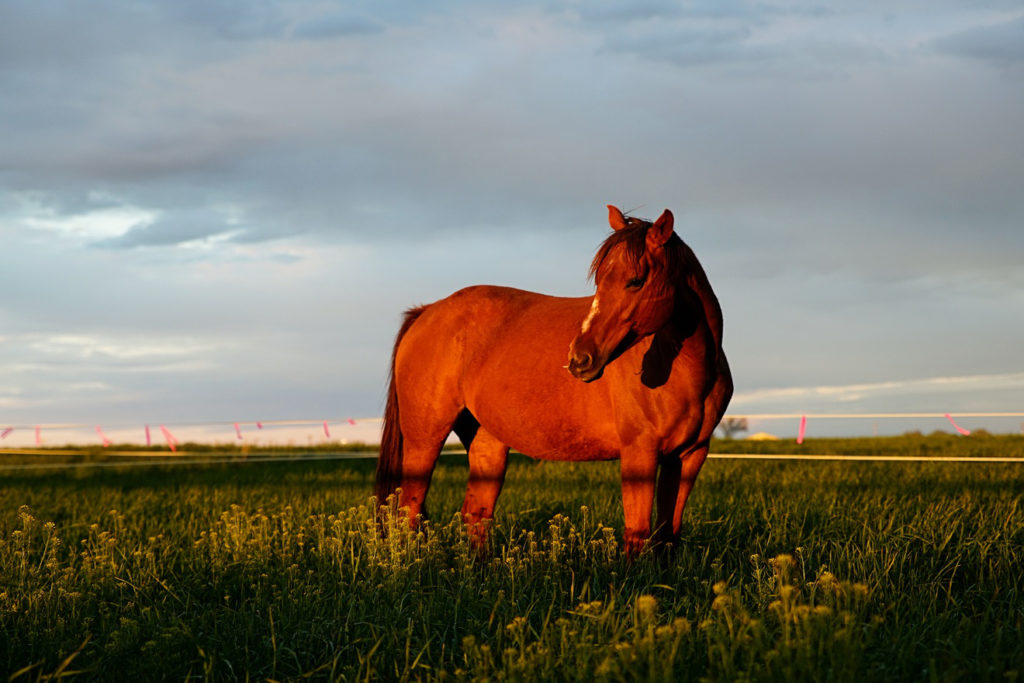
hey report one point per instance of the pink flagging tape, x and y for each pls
(803, 429)
(149, 440)
(103, 437)
(39, 440)
(965, 432)
(238, 431)
(171, 441)
(861, 416)
(327, 432)
(259, 425)
(352, 422)
(7, 431)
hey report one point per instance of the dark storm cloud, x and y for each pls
(397, 160)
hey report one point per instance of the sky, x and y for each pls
(214, 210)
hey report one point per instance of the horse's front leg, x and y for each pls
(678, 475)
(665, 532)
(639, 467)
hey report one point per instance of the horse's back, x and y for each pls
(468, 330)
(500, 353)
(475, 317)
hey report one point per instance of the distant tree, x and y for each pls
(731, 426)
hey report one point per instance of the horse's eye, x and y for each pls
(636, 283)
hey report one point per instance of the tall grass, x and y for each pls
(786, 571)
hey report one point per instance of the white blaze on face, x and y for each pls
(590, 316)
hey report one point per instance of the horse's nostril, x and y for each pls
(583, 366)
(580, 361)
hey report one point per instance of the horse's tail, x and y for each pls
(389, 462)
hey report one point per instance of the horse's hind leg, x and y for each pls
(425, 429)
(418, 462)
(488, 459)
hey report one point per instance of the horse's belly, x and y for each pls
(541, 444)
(549, 421)
(580, 449)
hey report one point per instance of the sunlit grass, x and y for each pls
(787, 571)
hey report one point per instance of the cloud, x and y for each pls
(175, 228)
(741, 40)
(618, 13)
(336, 26)
(692, 47)
(232, 19)
(55, 34)
(131, 349)
(894, 406)
(1001, 43)
(850, 393)
(82, 222)
(357, 148)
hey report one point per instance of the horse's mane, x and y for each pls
(680, 261)
(633, 238)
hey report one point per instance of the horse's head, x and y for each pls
(634, 271)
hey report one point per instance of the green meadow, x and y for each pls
(830, 571)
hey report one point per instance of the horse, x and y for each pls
(646, 382)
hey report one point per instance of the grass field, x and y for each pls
(828, 571)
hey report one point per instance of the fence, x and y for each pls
(366, 429)
(253, 432)
(297, 433)
(919, 417)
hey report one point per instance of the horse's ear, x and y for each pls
(659, 233)
(615, 218)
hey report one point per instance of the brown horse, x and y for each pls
(647, 381)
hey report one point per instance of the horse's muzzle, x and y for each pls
(583, 367)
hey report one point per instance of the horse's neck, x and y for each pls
(696, 280)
